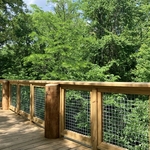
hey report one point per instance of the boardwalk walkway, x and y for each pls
(17, 133)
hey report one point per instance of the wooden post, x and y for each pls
(62, 112)
(94, 119)
(100, 118)
(31, 102)
(5, 95)
(52, 104)
(18, 98)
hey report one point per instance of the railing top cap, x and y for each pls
(83, 83)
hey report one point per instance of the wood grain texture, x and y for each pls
(52, 108)
(107, 146)
(100, 118)
(17, 133)
(77, 137)
(83, 83)
(118, 87)
(94, 119)
(62, 112)
(31, 102)
(18, 98)
(5, 95)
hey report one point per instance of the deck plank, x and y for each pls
(17, 133)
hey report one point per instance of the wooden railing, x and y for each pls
(112, 106)
(22, 100)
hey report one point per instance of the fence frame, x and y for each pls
(33, 118)
(17, 109)
(67, 133)
(96, 88)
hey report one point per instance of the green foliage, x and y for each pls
(142, 71)
(126, 121)
(39, 102)
(66, 10)
(58, 51)
(25, 98)
(9, 10)
(77, 111)
(101, 41)
(97, 73)
(79, 40)
(13, 95)
(13, 53)
(118, 26)
(136, 131)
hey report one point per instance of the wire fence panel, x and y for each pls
(0, 92)
(39, 102)
(25, 98)
(126, 120)
(77, 111)
(13, 95)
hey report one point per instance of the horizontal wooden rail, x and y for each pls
(119, 87)
(84, 83)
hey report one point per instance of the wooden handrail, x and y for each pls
(83, 83)
(118, 87)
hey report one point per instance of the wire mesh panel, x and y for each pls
(25, 98)
(13, 95)
(39, 102)
(77, 111)
(0, 92)
(126, 120)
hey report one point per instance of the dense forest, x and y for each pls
(104, 40)
(77, 40)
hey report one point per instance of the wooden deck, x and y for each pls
(17, 133)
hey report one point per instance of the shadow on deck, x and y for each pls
(17, 133)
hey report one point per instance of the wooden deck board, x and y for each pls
(17, 133)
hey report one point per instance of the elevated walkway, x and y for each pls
(17, 133)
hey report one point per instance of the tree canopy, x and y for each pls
(77, 40)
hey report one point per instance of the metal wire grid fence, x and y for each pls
(39, 102)
(0, 92)
(77, 111)
(125, 120)
(25, 98)
(13, 95)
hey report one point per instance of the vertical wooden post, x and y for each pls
(9, 94)
(52, 105)
(31, 102)
(18, 98)
(94, 119)
(62, 112)
(100, 118)
(5, 95)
